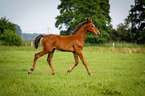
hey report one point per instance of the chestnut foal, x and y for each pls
(72, 43)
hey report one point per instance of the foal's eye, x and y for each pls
(92, 26)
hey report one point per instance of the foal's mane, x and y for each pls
(78, 27)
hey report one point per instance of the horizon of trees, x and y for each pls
(73, 12)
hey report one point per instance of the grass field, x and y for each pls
(115, 72)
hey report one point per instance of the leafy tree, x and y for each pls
(136, 19)
(72, 12)
(5, 24)
(8, 34)
(122, 32)
(114, 35)
(10, 38)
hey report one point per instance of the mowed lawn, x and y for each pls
(119, 74)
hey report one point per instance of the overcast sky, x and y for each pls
(38, 16)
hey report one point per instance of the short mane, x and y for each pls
(78, 27)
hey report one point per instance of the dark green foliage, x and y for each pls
(136, 19)
(73, 12)
(5, 24)
(141, 38)
(8, 34)
(122, 33)
(10, 38)
(91, 39)
(133, 30)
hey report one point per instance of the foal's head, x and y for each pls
(91, 28)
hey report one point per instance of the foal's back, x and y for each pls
(63, 43)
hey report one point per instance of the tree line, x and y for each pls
(73, 12)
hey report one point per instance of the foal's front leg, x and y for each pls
(84, 63)
(76, 63)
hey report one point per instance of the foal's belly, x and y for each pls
(63, 47)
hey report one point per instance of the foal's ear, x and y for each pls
(91, 20)
(88, 20)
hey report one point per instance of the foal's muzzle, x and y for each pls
(97, 33)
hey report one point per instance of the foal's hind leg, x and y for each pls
(49, 59)
(76, 63)
(37, 55)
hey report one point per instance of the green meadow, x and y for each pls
(117, 71)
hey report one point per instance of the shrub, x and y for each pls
(10, 38)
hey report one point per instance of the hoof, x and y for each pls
(90, 74)
(29, 72)
(67, 72)
(53, 73)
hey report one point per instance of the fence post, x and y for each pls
(113, 44)
(31, 44)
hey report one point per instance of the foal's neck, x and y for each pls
(82, 32)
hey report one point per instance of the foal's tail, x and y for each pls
(36, 41)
